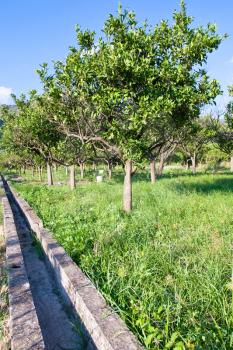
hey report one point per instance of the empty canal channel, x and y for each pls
(58, 322)
(53, 305)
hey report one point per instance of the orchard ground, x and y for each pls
(167, 267)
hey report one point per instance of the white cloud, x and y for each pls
(231, 60)
(5, 95)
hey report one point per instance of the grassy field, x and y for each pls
(167, 267)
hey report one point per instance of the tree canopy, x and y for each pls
(124, 95)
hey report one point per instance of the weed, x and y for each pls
(166, 268)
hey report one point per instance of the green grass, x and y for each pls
(167, 267)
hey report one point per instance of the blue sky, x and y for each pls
(37, 31)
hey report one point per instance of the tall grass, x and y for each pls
(166, 268)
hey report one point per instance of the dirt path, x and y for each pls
(4, 316)
(59, 326)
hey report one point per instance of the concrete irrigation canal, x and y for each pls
(53, 305)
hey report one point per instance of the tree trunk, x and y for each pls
(161, 165)
(82, 170)
(72, 177)
(40, 173)
(94, 166)
(231, 164)
(66, 168)
(109, 170)
(193, 159)
(49, 174)
(152, 171)
(127, 192)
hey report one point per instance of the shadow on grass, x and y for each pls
(141, 177)
(144, 176)
(223, 185)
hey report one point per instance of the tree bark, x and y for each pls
(231, 164)
(72, 177)
(94, 166)
(40, 173)
(66, 168)
(161, 165)
(127, 192)
(152, 171)
(109, 170)
(49, 174)
(82, 170)
(193, 159)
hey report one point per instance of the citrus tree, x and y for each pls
(123, 92)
